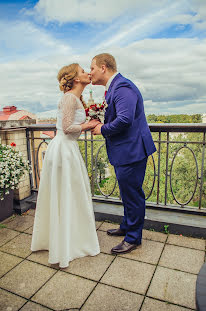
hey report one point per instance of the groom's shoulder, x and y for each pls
(121, 81)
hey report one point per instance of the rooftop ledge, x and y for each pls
(154, 127)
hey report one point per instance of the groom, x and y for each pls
(128, 142)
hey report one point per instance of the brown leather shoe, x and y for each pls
(123, 248)
(116, 232)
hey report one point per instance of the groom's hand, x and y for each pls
(97, 129)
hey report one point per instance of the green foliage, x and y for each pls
(104, 173)
(183, 174)
(174, 118)
(2, 226)
(166, 231)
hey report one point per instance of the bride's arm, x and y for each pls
(69, 106)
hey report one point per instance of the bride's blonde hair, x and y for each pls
(66, 76)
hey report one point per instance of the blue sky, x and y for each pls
(159, 45)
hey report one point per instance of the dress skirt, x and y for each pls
(64, 221)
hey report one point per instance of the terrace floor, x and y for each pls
(160, 275)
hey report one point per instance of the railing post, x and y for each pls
(85, 148)
(34, 158)
(158, 171)
(166, 173)
(92, 165)
(202, 170)
(29, 157)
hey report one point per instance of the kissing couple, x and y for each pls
(64, 221)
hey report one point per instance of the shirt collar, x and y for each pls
(110, 81)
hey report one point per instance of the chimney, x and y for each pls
(9, 109)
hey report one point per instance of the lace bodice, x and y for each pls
(70, 115)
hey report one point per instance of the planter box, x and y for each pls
(6, 206)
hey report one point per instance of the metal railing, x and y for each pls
(175, 176)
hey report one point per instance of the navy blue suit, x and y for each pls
(129, 143)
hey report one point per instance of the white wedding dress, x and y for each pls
(64, 221)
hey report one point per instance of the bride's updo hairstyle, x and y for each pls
(66, 76)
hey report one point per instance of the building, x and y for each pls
(91, 100)
(204, 118)
(10, 113)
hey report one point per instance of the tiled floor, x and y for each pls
(160, 275)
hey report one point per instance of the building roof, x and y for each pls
(11, 113)
(49, 134)
(7, 111)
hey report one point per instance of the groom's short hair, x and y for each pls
(106, 59)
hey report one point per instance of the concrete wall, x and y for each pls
(16, 123)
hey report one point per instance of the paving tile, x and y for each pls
(181, 258)
(31, 212)
(21, 223)
(42, 257)
(155, 305)
(64, 291)
(26, 278)
(173, 286)
(154, 236)
(129, 274)
(7, 220)
(112, 299)
(90, 267)
(107, 242)
(31, 306)
(107, 225)
(7, 262)
(98, 224)
(186, 241)
(10, 302)
(149, 252)
(6, 235)
(19, 246)
(29, 231)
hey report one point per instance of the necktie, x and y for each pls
(105, 93)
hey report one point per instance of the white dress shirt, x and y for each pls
(110, 81)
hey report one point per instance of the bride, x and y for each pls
(64, 221)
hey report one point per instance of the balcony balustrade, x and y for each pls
(175, 176)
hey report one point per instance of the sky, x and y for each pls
(159, 45)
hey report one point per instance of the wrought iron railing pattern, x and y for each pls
(183, 144)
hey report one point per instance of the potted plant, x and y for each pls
(12, 168)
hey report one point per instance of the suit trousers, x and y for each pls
(130, 178)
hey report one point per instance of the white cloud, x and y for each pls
(77, 10)
(30, 59)
(21, 39)
(62, 11)
(170, 73)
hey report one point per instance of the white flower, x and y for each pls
(12, 168)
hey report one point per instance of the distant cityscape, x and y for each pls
(11, 113)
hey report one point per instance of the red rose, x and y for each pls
(13, 144)
(87, 112)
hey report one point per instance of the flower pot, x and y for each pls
(6, 205)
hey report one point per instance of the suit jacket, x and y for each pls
(128, 138)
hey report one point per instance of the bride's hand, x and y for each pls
(90, 125)
(93, 123)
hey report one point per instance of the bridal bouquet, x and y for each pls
(96, 111)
